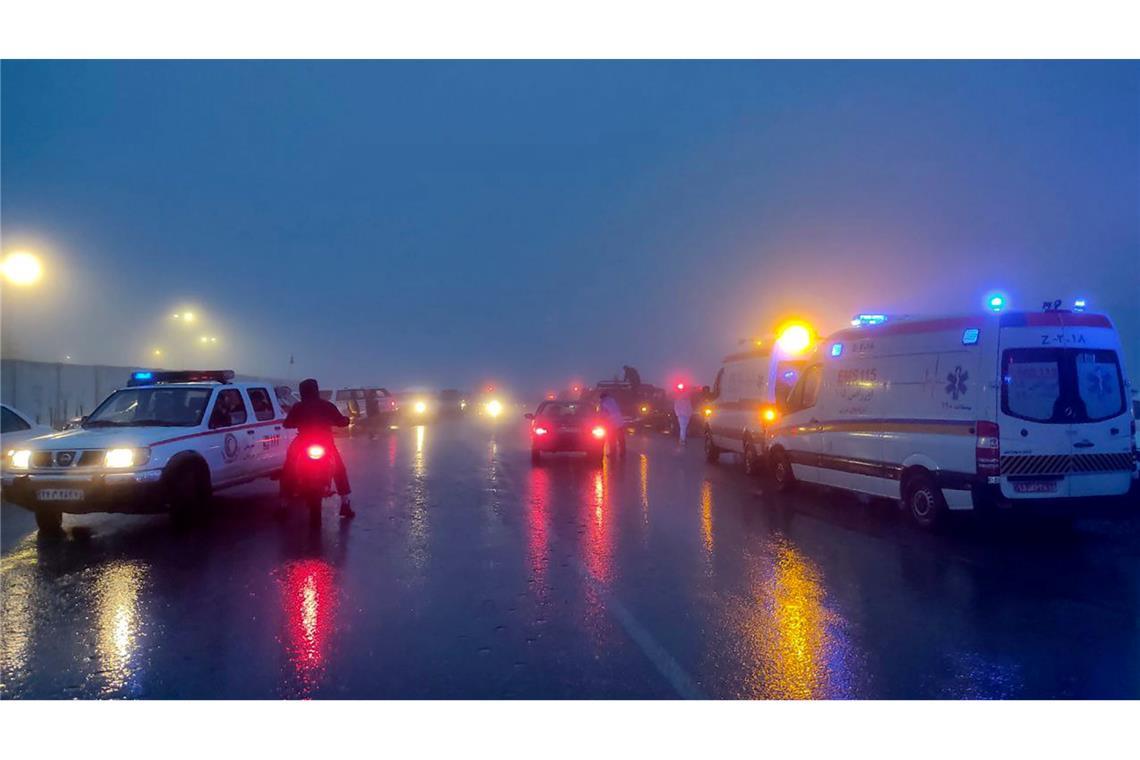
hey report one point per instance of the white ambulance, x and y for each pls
(964, 412)
(749, 388)
(166, 441)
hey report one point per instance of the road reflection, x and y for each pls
(418, 528)
(598, 521)
(797, 640)
(643, 480)
(538, 512)
(117, 623)
(309, 597)
(707, 516)
(17, 621)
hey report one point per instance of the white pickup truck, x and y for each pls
(165, 442)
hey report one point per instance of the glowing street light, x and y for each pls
(22, 268)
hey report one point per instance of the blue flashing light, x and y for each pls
(836, 349)
(861, 320)
(790, 374)
(1079, 304)
(970, 336)
(996, 302)
(144, 375)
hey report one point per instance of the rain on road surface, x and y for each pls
(468, 573)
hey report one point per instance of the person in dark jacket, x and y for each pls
(314, 418)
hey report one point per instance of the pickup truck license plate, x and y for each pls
(1035, 486)
(59, 494)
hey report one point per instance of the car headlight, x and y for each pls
(21, 459)
(420, 407)
(494, 407)
(125, 457)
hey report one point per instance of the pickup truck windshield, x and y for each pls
(144, 407)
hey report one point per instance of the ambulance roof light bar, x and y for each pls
(148, 377)
(863, 320)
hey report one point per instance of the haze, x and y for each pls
(443, 224)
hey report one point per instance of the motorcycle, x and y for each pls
(310, 474)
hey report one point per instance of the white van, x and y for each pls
(964, 412)
(748, 389)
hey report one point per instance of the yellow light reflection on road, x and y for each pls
(643, 475)
(789, 626)
(117, 620)
(706, 515)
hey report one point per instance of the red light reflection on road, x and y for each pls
(538, 539)
(310, 597)
(598, 527)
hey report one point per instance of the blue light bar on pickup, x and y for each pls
(146, 377)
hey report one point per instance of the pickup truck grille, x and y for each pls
(1063, 464)
(65, 459)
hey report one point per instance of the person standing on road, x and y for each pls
(683, 408)
(609, 408)
(314, 418)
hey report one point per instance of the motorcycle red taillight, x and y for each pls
(987, 450)
(315, 451)
(599, 431)
(540, 431)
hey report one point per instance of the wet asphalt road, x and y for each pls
(470, 574)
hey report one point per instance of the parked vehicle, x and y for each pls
(165, 442)
(17, 427)
(1019, 409)
(566, 426)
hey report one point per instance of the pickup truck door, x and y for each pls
(269, 440)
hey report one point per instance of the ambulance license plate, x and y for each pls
(1035, 486)
(59, 494)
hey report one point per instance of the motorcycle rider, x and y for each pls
(314, 418)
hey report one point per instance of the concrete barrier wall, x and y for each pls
(52, 393)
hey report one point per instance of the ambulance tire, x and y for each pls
(712, 452)
(49, 522)
(782, 474)
(752, 463)
(923, 499)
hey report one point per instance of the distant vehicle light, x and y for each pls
(599, 432)
(707, 411)
(861, 320)
(21, 459)
(494, 407)
(996, 302)
(794, 339)
(970, 336)
(680, 386)
(420, 407)
(540, 431)
(645, 410)
(462, 404)
(316, 451)
(837, 349)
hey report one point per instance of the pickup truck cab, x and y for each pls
(166, 442)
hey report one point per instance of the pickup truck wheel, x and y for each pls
(50, 523)
(782, 473)
(712, 452)
(923, 499)
(188, 488)
(751, 460)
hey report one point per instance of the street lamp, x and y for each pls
(22, 268)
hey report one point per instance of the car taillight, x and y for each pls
(987, 450)
(599, 432)
(540, 431)
(315, 452)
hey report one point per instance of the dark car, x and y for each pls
(452, 402)
(566, 426)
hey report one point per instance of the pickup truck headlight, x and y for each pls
(119, 458)
(21, 459)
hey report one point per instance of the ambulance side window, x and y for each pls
(262, 406)
(806, 392)
(716, 383)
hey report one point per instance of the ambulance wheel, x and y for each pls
(782, 473)
(712, 453)
(50, 523)
(923, 499)
(751, 460)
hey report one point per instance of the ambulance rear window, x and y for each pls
(1062, 385)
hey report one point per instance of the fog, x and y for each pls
(529, 224)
